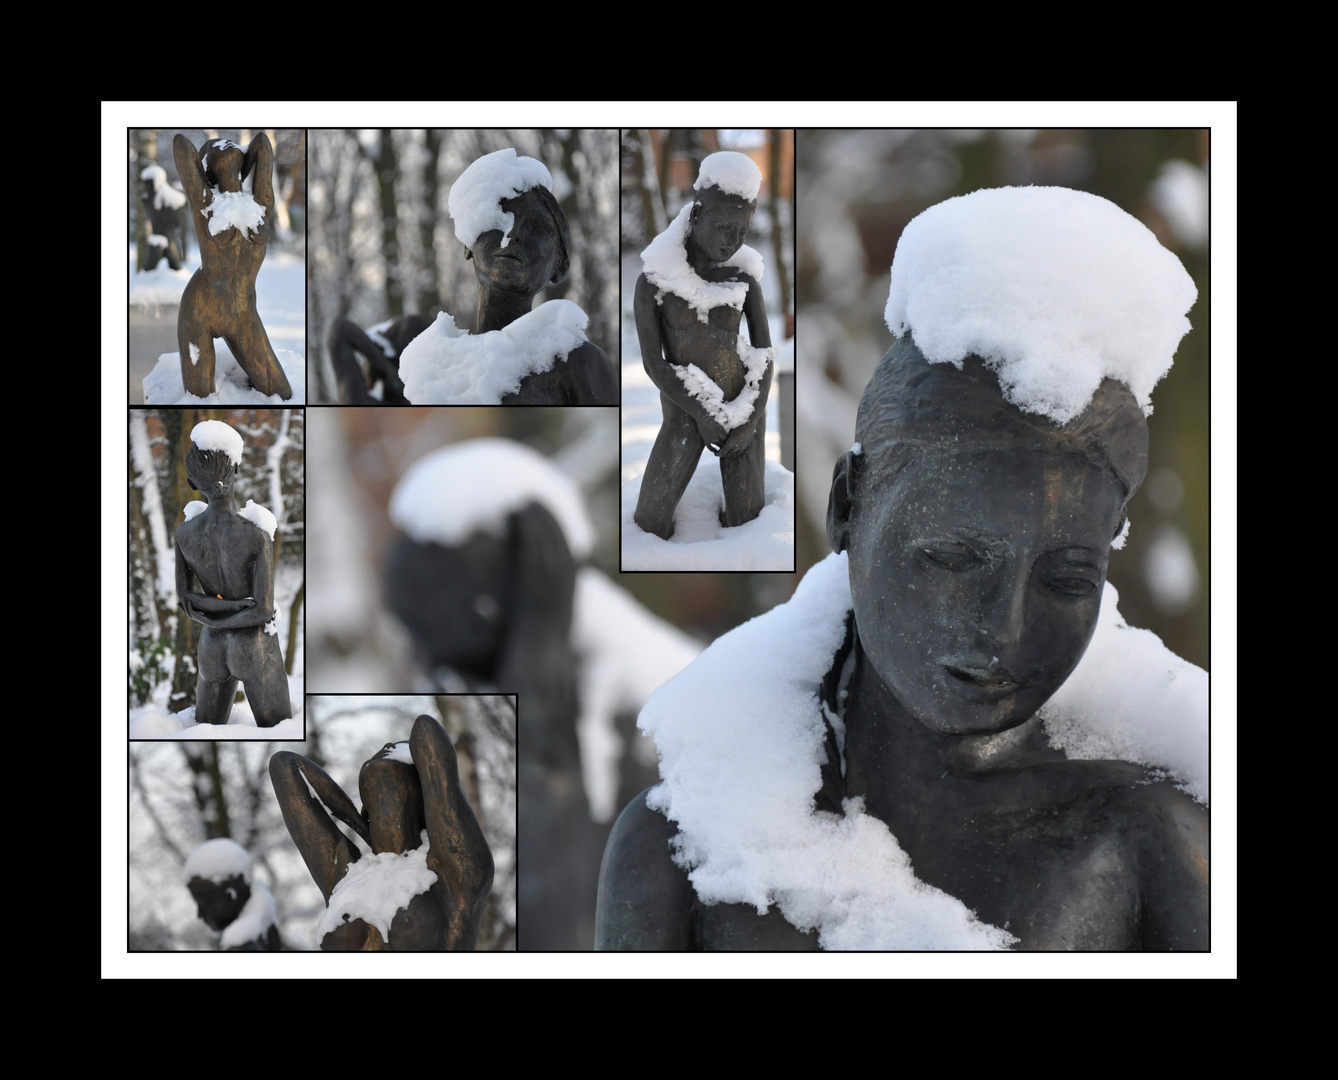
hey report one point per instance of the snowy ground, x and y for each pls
(700, 541)
(281, 300)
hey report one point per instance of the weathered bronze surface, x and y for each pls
(220, 299)
(399, 801)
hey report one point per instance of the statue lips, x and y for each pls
(986, 683)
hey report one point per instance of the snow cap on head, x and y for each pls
(154, 173)
(475, 199)
(216, 435)
(731, 172)
(1054, 289)
(474, 486)
(218, 860)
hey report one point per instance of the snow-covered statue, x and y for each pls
(518, 238)
(909, 754)
(700, 281)
(367, 362)
(225, 582)
(162, 207)
(482, 573)
(231, 193)
(424, 886)
(218, 875)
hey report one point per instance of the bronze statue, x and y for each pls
(230, 555)
(700, 282)
(218, 875)
(424, 886)
(232, 227)
(518, 238)
(162, 206)
(378, 348)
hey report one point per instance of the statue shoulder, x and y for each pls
(645, 899)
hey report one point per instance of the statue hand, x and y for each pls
(712, 432)
(738, 441)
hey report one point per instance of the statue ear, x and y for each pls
(469, 254)
(841, 501)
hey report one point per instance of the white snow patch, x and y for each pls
(1055, 289)
(378, 334)
(253, 921)
(700, 542)
(163, 385)
(259, 516)
(157, 240)
(400, 752)
(665, 264)
(195, 506)
(377, 886)
(731, 172)
(739, 410)
(445, 365)
(475, 200)
(473, 486)
(194, 351)
(234, 210)
(218, 860)
(216, 435)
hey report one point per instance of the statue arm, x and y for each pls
(457, 850)
(307, 798)
(260, 157)
(595, 383)
(645, 901)
(191, 172)
(261, 608)
(661, 372)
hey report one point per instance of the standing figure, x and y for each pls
(162, 206)
(230, 555)
(425, 884)
(699, 281)
(218, 875)
(518, 238)
(232, 227)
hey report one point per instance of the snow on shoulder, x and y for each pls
(731, 172)
(218, 860)
(474, 486)
(445, 365)
(1055, 289)
(665, 264)
(475, 199)
(259, 516)
(216, 435)
(741, 734)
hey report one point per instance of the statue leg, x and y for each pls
(744, 479)
(250, 345)
(194, 333)
(254, 657)
(152, 260)
(348, 372)
(173, 253)
(216, 686)
(673, 460)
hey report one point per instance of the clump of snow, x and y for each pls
(253, 921)
(445, 365)
(741, 734)
(259, 516)
(856, 449)
(400, 752)
(163, 193)
(234, 210)
(163, 385)
(1123, 537)
(377, 886)
(739, 410)
(700, 541)
(665, 264)
(473, 487)
(625, 653)
(1055, 289)
(475, 200)
(1133, 699)
(195, 506)
(218, 860)
(194, 351)
(216, 435)
(731, 172)
(157, 240)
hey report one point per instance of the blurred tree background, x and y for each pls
(382, 244)
(859, 189)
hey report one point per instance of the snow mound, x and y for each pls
(163, 386)
(377, 886)
(473, 486)
(475, 199)
(731, 172)
(665, 264)
(216, 435)
(1055, 289)
(234, 210)
(218, 860)
(700, 542)
(259, 516)
(445, 365)
(254, 920)
(150, 289)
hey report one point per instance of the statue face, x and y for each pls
(219, 902)
(530, 258)
(977, 580)
(719, 228)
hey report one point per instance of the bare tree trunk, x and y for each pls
(778, 230)
(211, 797)
(429, 285)
(386, 164)
(145, 149)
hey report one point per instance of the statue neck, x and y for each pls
(222, 502)
(498, 309)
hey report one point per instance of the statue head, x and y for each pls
(218, 875)
(210, 472)
(392, 799)
(978, 536)
(223, 162)
(722, 213)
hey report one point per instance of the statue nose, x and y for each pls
(1004, 608)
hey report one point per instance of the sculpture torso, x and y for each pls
(211, 543)
(711, 345)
